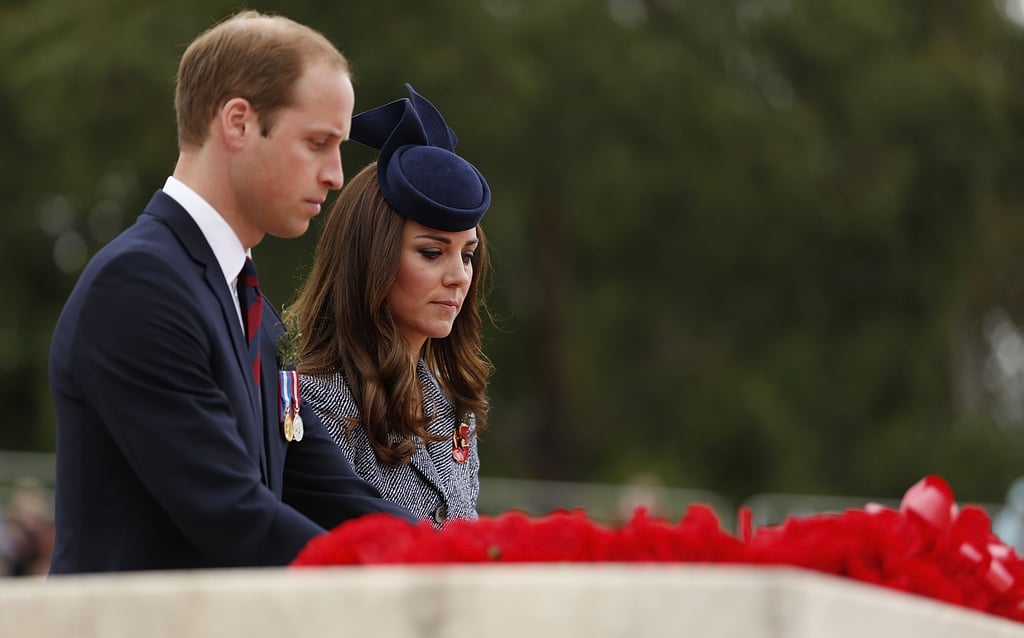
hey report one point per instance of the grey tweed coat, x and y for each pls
(432, 485)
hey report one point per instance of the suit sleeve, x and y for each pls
(154, 369)
(320, 482)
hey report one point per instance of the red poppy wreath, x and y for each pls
(929, 546)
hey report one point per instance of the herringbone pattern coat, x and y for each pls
(432, 485)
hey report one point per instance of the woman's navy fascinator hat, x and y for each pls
(417, 168)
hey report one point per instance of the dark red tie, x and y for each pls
(251, 301)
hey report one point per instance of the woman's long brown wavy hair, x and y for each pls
(347, 327)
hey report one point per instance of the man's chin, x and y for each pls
(292, 232)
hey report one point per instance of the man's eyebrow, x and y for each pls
(329, 132)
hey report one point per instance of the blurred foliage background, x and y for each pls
(742, 245)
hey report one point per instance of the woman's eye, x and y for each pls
(467, 258)
(430, 254)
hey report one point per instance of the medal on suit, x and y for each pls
(288, 390)
(288, 427)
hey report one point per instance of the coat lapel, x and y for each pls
(423, 463)
(429, 457)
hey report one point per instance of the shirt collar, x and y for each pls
(226, 246)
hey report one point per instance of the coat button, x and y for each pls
(440, 514)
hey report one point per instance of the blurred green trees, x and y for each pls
(746, 246)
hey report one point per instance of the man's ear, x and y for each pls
(237, 122)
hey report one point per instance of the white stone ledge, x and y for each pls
(588, 601)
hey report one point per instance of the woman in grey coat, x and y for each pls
(389, 320)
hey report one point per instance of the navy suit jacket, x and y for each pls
(168, 456)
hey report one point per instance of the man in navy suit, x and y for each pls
(170, 452)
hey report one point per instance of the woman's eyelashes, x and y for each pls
(435, 253)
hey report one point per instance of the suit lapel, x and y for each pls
(272, 434)
(192, 240)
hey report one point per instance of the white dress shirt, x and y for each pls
(226, 246)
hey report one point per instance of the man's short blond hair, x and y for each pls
(251, 55)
